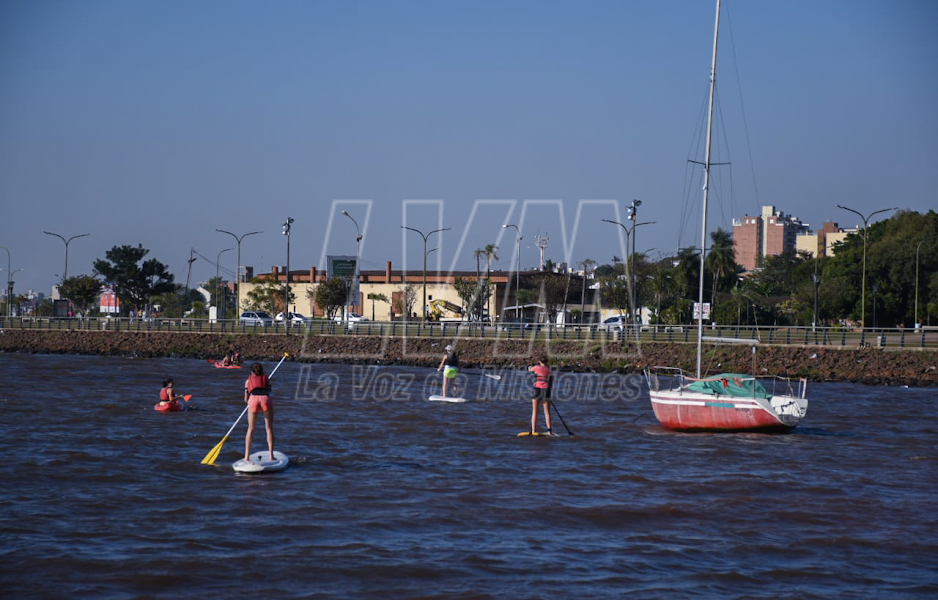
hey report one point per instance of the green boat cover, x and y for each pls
(730, 384)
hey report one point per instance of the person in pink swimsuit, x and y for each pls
(541, 393)
(257, 397)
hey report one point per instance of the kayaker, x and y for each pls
(542, 381)
(227, 360)
(167, 394)
(450, 367)
(257, 397)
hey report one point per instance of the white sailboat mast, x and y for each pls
(706, 191)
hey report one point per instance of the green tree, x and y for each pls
(614, 291)
(83, 291)
(473, 295)
(330, 295)
(721, 260)
(267, 295)
(134, 282)
(404, 303)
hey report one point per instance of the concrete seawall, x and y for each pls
(917, 367)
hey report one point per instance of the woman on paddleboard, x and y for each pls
(450, 367)
(541, 396)
(257, 397)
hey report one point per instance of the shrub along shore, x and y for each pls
(918, 367)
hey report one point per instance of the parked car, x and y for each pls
(295, 318)
(258, 317)
(616, 323)
(351, 318)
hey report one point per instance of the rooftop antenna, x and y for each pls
(541, 242)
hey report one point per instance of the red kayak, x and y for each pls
(221, 365)
(172, 405)
(169, 406)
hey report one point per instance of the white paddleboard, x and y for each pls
(260, 464)
(437, 398)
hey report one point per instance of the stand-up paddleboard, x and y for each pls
(536, 434)
(438, 398)
(260, 464)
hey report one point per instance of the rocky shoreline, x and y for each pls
(915, 367)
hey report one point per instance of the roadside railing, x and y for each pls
(926, 337)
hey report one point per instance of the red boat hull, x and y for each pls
(699, 412)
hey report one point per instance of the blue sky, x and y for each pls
(158, 122)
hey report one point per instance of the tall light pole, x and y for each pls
(866, 221)
(628, 269)
(632, 258)
(9, 278)
(192, 259)
(238, 272)
(875, 289)
(917, 248)
(218, 281)
(425, 236)
(65, 272)
(286, 292)
(518, 270)
(358, 257)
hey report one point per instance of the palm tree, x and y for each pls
(490, 255)
(721, 260)
(376, 298)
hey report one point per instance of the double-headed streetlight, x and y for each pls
(866, 221)
(218, 281)
(917, 248)
(358, 257)
(425, 236)
(629, 232)
(286, 291)
(238, 271)
(518, 270)
(66, 241)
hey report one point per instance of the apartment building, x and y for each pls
(772, 232)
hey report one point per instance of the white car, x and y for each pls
(351, 318)
(616, 323)
(295, 318)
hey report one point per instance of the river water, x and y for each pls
(391, 496)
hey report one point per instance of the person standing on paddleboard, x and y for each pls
(166, 394)
(450, 368)
(257, 397)
(542, 380)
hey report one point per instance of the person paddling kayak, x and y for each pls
(168, 396)
(257, 397)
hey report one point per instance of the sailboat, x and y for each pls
(727, 401)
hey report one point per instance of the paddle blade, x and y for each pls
(495, 377)
(186, 397)
(212, 455)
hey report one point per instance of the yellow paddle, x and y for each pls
(212, 455)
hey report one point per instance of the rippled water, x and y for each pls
(391, 496)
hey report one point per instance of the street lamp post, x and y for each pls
(238, 272)
(518, 270)
(218, 281)
(866, 221)
(286, 291)
(632, 258)
(65, 272)
(817, 280)
(425, 236)
(628, 270)
(192, 259)
(917, 248)
(358, 257)
(875, 289)
(9, 278)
